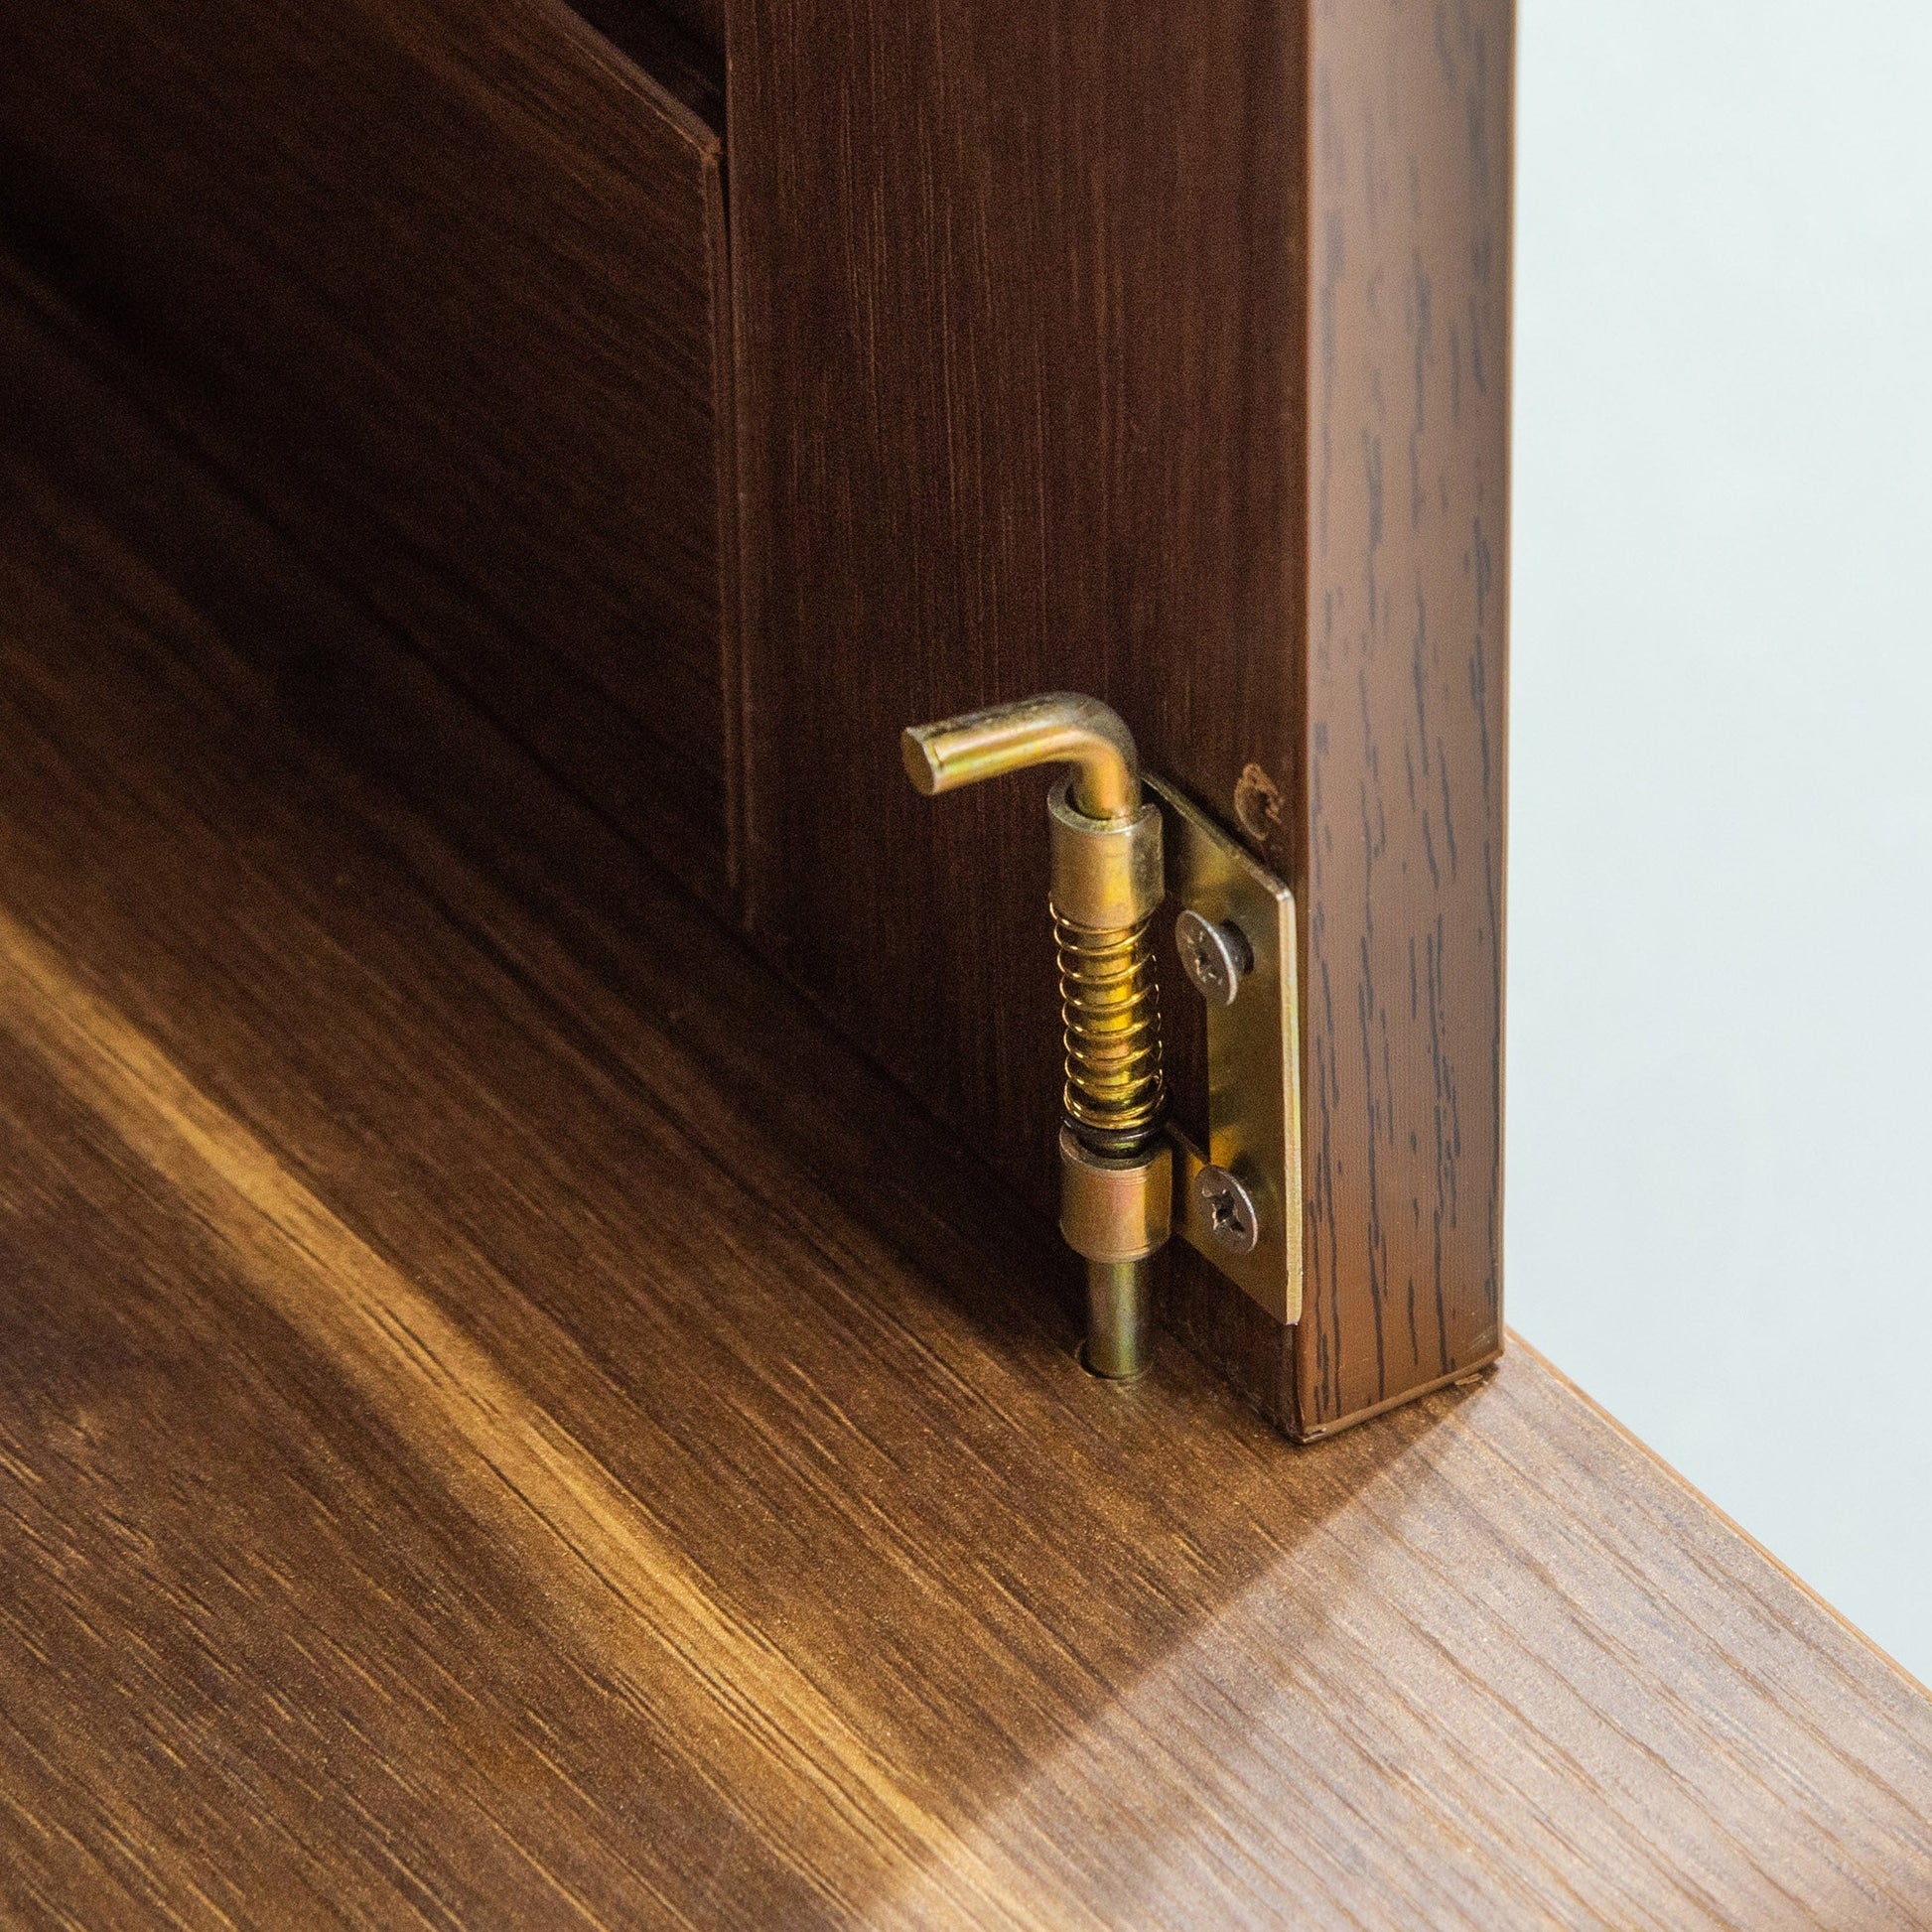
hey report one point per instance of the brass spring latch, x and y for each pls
(1128, 1176)
(1108, 880)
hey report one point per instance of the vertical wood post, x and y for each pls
(1399, 845)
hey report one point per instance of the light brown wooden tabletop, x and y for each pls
(503, 1421)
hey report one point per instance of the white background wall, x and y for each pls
(1720, 1183)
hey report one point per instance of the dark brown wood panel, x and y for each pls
(1400, 838)
(1162, 355)
(336, 671)
(504, 1422)
(1017, 377)
(444, 289)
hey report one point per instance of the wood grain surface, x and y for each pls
(1401, 807)
(443, 287)
(1007, 283)
(1161, 354)
(504, 1421)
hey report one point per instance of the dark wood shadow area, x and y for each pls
(504, 1421)
(442, 289)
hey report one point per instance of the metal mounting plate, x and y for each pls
(1254, 1097)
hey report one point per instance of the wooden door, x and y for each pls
(1162, 355)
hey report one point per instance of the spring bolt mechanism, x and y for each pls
(1116, 1164)
(1115, 1097)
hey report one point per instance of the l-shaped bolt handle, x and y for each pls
(1116, 1165)
(1057, 727)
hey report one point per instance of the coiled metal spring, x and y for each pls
(1116, 1093)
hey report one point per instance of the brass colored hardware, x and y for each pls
(1127, 1179)
(1106, 872)
(1120, 1319)
(1253, 1233)
(1116, 1095)
(1228, 1210)
(1213, 956)
(1116, 1170)
(1115, 1210)
(1061, 728)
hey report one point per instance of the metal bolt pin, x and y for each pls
(1213, 956)
(1228, 1209)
